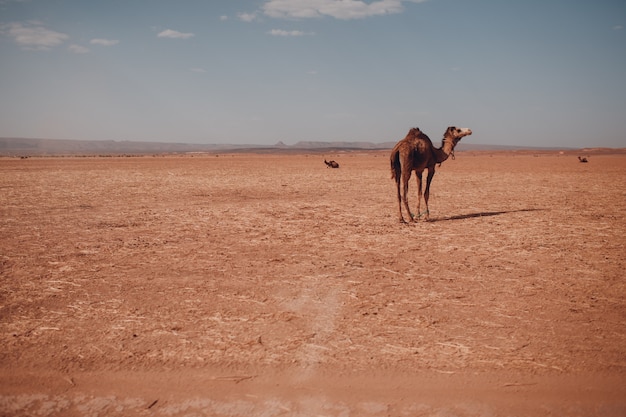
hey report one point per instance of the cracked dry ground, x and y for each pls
(238, 285)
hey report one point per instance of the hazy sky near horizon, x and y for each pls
(534, 73)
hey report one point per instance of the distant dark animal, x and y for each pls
(416, 153)
(583, 159)
(331, 164)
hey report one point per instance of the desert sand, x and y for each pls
(271, 285)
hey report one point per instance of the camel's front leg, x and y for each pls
(429, 178)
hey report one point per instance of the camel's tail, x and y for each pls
(395, 164)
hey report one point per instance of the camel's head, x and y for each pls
(454, 134)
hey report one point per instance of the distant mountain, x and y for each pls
(56, 147)
(343, 145)
(27, 146)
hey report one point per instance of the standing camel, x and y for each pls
(415, 153)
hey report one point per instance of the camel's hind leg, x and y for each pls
(419, 193)
(397, 175)
(397, 178)
(429, 178)
(406, 176)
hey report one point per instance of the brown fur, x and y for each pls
(416, 153)
(331, 164)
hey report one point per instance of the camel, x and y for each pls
(415, 153)
(331, 164)
(583, 159)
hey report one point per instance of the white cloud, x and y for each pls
(618, 27)
(33, 35)
(104, 42)
(78, 49)
(174, 34)
(339, 9)
(198, 70)
(280, 32)
(223, 18)
(246, 17)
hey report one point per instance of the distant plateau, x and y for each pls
(17, 147)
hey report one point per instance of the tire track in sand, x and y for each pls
(319, 303)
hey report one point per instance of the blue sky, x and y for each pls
(535, 73)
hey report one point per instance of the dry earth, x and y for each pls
(268, 285)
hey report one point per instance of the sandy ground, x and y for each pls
(269, 285)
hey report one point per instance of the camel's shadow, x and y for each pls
(481, 214)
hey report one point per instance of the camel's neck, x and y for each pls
(444, 152)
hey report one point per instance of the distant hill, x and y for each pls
(27, 146)
(343, 145)
(58, 147)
